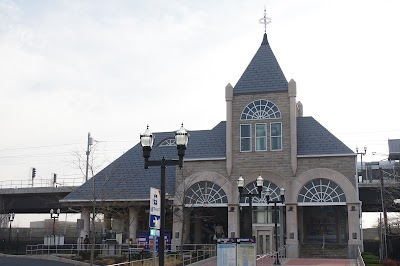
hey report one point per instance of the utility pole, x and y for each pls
(89, 143)
(384, 251)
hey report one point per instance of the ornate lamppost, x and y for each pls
(54, 216)
(147, 141)
(240, 184)
(361, 153)
(11, 217)
(282, 200)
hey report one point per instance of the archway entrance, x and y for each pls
(208, 224)
(322, 212)
(323, 224)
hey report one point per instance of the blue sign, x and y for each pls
(154, 221)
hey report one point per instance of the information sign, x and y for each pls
(155, 208)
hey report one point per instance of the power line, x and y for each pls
(39, 147)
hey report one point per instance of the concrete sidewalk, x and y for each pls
(297, 262)
(319, 262)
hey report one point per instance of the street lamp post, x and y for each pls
(361, 153)
(11, 217)
(282, 200)
(147, 141)
(240, 184)
(54, 216)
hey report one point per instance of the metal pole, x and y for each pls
(162, 225)
(87, 157)
(251, 215)
(384, 215)
(54, 222)
(276, 233)
(17, 240)
(9, 237)
(154, 250)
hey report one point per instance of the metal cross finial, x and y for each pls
(265, 20)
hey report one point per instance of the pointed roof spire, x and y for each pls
(263, 74)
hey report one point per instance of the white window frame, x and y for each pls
(270, 136)
(265, 136)
(245, 138)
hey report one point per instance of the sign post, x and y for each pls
(154, 218)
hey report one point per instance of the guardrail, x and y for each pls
(65, 182)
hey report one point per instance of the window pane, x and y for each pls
(261, 144)
(245, 131)
(276, 129)
(245, 144)
(276, 143)
(260, 130)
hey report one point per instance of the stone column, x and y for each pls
(292, 239)
(107, 222)
(85, 216)
(354, 229)
(229, 99)
(177, 226)
(233, 221)
(293, 125)
(133, 223)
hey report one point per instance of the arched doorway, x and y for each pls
(263, 217)
(322, 212)
(206, 207)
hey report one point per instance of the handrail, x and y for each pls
(187, 256)
(360, 260)
(270, 258)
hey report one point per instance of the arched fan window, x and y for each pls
(321, 191)
(167, 143)
(259, 201)
(206, 193)
(260, 109)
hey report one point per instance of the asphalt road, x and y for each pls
(13, 261)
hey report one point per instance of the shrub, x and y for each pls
(388, 262)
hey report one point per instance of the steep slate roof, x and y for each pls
(263, 74)
(126, 179)
(314, 139)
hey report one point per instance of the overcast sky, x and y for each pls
(112, 67)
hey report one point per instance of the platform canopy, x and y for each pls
(394, 149)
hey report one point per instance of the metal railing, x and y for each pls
(27, 183)
(190, 254)
(269, 259)
(360, 260)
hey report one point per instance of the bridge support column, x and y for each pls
(133, 223)
(292, 239)
(85, 216)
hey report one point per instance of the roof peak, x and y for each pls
(265, 39)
